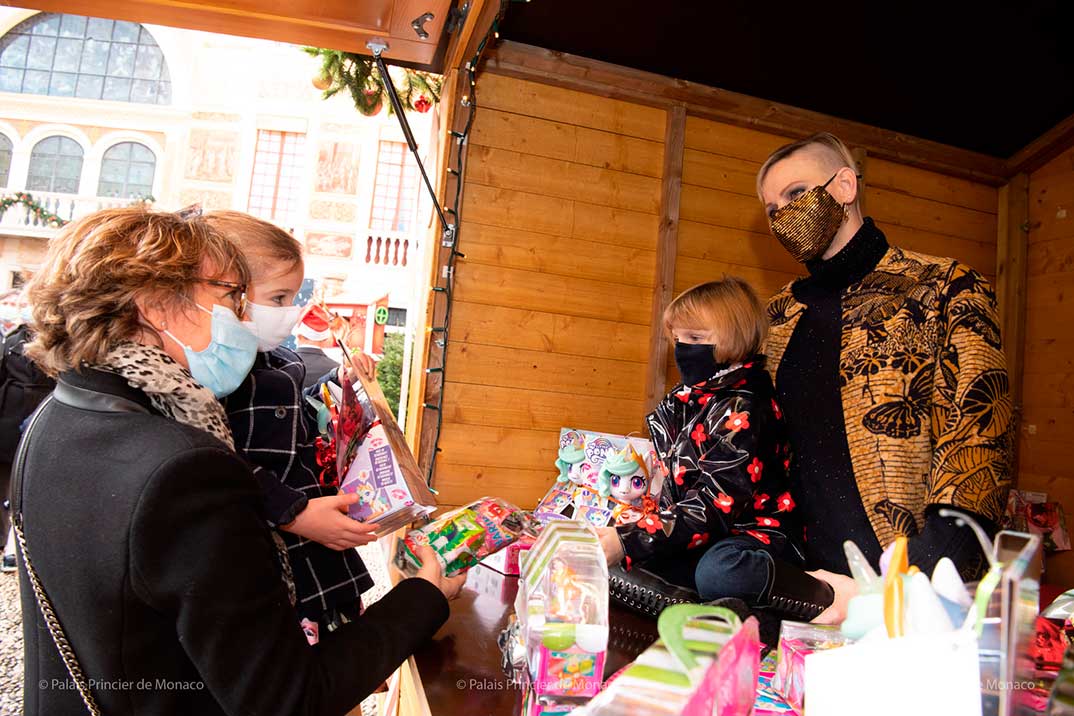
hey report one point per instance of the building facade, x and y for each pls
(97, 113)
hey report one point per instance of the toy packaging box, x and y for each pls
(379, 466)
(796, 641)
(603, 479)
(706, 663)
(463, 537)
(559, 640)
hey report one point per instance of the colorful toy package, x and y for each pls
(560, 637)
(796, 642)
(705, 664)
(381, 471)
(463, 537)
(603, 479)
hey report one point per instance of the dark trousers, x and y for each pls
(736, 566)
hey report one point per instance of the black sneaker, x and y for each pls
(8, 565)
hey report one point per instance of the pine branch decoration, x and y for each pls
(418, 91)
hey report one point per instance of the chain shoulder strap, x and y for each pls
(55, 629)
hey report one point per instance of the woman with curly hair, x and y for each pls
(150, 582)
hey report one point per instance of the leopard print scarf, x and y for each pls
(173, 391)
(170, 388)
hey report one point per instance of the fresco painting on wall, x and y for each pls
(212, 155)
(331, 245)
(337, 168)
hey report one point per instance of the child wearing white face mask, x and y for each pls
(275, 429)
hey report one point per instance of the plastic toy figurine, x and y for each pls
(571, 452)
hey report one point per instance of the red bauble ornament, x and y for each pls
(423, 104)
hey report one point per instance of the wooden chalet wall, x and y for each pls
(561, 228)
(551, 321)
(1047, 433)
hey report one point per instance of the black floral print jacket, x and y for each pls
(723, 448)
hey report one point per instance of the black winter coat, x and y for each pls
(723, 448)
(149, 539)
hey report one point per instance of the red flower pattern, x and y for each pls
(683, 395)
(759, 536)
(699, 435)
(650, 523)
(785, 502)
(679, 472)
(737, 421)
(697, 540)
(768, 522)
(759, 500)
(704, 399)
(776, 409)
(755, 469)
(724, 502)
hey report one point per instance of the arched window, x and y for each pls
(127, 171)
(89, 57)
(55, 165)
(5, 159)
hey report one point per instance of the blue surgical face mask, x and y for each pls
(223, 364)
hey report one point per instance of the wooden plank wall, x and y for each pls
(1048, 382)
(551, 321)
(551, 324)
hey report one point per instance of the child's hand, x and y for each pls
(325, 520)
(363, 363)
(845, 590)
(612, 545)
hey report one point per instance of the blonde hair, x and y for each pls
(260, 241)
(828, 143)
(83, 297)
(730, 308)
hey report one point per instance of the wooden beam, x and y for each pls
(460, 40)
(608, 80)
(1012, 242)
(334, 25)
(426, 387)
(1043, 149)
(666, 251)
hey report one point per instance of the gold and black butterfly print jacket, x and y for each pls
(924, 388)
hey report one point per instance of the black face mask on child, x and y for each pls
(696, 362)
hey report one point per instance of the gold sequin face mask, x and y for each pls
(807, 225)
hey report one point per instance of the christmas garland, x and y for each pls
(418, 91)
(40, 212)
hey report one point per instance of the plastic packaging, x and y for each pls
(465, 536)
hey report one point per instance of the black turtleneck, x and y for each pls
(807, 384)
